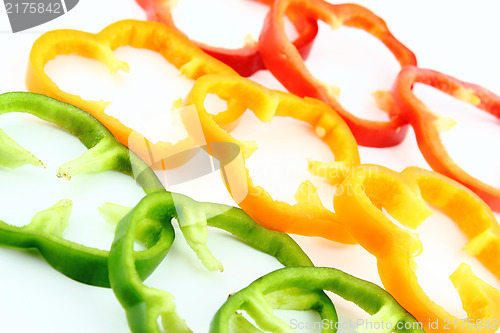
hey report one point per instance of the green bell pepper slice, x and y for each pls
(44, 233)
(385, 311)
(149, 222)
(145, 305)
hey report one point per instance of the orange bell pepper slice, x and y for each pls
(173, 46)
(358, 204)
(308, 217)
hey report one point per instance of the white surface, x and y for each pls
(449, 36)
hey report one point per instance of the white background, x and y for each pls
(456, 37)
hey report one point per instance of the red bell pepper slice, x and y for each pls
(247, 59)
(283, 60)
(426, 124)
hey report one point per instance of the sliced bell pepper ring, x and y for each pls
(385, 311)
(247, 59)
(359, 204)
(427, 125)
(145, 306)
(104, 153)
(175, 48)
(283, 60)
(307, 217)
(153, 228)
